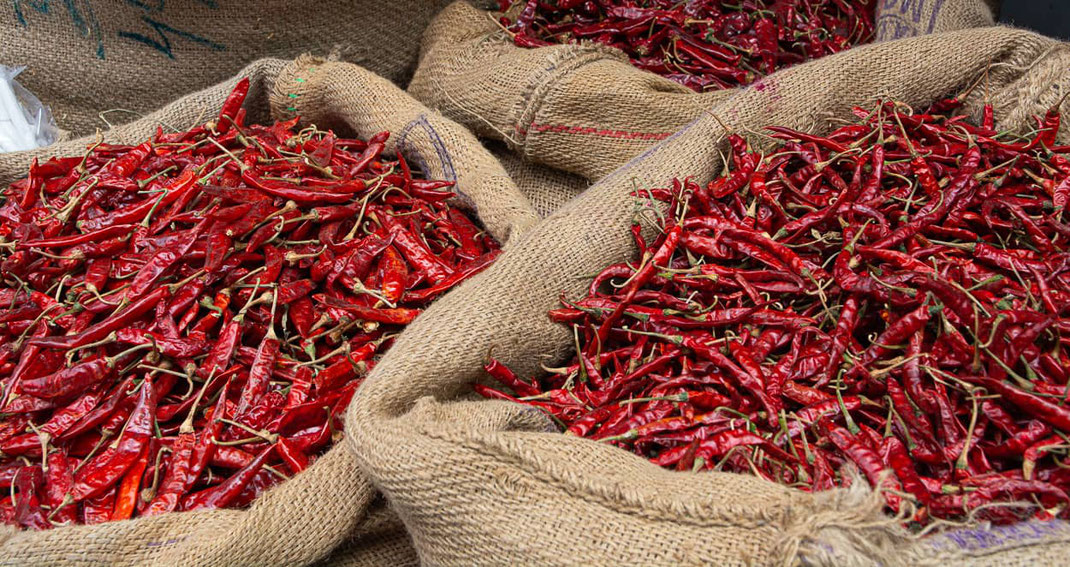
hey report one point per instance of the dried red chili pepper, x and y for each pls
(702, 46)
(137, 290)
(931, 357)
(100, 473)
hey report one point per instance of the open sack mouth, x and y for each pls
(591, 282)
(700, 45)
(885, 300)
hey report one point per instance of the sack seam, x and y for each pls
(562, 63)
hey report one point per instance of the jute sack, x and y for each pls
(480, 482)
(330, 504)
(546, 188)
(124, 59)
(584, 109)
(380, 540)
(897, 19)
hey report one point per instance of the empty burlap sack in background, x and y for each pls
(325, 507)
(579, 108)
(481, 482)
(85, 58)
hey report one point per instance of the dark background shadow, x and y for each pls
(1049, 17)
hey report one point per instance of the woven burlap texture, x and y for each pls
(582, 109)
(481, 482)
(546, 188)
(124, 59)
(897, 19)
(327, 506)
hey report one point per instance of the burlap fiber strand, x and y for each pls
(329, 505)
(480, 482)
(584, 109)
(125, 59)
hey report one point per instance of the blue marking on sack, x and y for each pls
(40, 6)
(157, 36)
(448, 172)
(163, 45)
(86, 24)
(979, 539)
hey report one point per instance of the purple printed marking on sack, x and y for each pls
(904, 18)
(550, 426)
(828, 552)
(769, 87)
(166, 542)
(975, 539)
(448, 172)
(411, 151)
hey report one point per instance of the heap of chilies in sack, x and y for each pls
(184, 321)
(888, 302)
(707, 45)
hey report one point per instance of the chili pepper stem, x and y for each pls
(962, 463)
(265, 435)
(110, 338)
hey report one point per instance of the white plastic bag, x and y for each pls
(25, 123)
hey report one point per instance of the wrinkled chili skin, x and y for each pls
(890, 299)
(701, 45)
(184, 321)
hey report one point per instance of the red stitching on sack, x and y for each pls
(584, 130)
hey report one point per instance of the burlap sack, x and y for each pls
(327, 506)
(379, 541)
(546, 188)
(481, 482)
(124, 59)
(897, 19)
(585, 109)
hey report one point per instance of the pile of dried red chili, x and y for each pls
(702, 45)
(184, 321)
(892, 298)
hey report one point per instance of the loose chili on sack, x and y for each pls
(892, 298)
(701, 45)
(184, 321)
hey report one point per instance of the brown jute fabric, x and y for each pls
(481, 482)
(897, 19)
(328, 506)
(546, 188)
(578, 108)
(379, 541)
(584, 109)
(127, 58)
